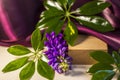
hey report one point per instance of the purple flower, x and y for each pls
(57, 50)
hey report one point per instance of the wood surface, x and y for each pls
(85, 44)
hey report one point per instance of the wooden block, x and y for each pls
(85, 44)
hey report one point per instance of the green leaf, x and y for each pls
(52, 23)
(56, 26)
(103, 75)
(59, 26)
(66, 2)
(118, 67)
(100, 66)
(51, 13)
(70, 2)
(44, 58)
(28, 71)
(42, 22)
(96, 23)
(116, 57)
(71, 33)
(18, 50)
(36, 39)
(118, 77)
(51, 16)
(41, 47)
(102, 57)
(93, 7)
(63, 2)
(52, 4)
(45, 70)
(16, 64)
(47, 22)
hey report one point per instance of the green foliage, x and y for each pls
(63, 2)
(51, 15)
(66, 3)
(28, 71)
(59, 11)
(96, 23)
(18, 50)
(100, 66)
(118, 77)
(106, 67)
(36, 39)
(71, 2)
(102, 57)
(93, 7)
(71, 33)
(59, 26)
(103, 75)
(116, 57)
(45, 70)
(48, 4)
(16, 64)
(56, 23)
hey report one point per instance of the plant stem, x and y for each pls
(73, 16)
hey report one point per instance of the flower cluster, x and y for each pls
(57, 50)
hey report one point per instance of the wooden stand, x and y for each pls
(85, 44)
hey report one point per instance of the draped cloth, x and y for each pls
(19, 17)
(17, 20)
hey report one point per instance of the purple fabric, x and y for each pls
(116, 7)
(18, 19)
(112, 14)
(111, 38)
